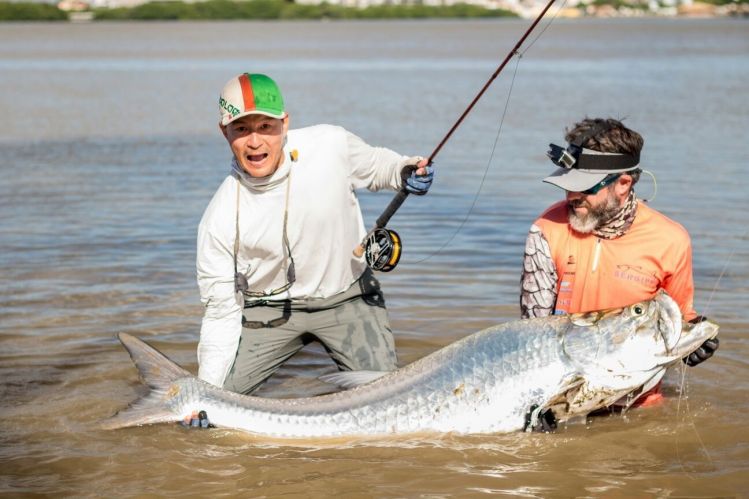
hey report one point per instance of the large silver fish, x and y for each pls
(484, 383)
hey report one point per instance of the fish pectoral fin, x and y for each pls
(351, 379)
(587, 398)
(546, 418)
(562, 404)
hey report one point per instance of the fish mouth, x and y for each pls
(681, 338)
(693, 335)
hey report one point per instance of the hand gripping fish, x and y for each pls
(483, 383)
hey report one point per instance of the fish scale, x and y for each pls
(484, 383)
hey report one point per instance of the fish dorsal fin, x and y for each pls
(351, 379)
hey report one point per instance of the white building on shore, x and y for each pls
(519, 6)
(514, 5)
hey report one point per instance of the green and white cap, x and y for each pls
(247, 94)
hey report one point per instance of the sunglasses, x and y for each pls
(273, 323)
(240, 280)
(610, 179)
(241, 285)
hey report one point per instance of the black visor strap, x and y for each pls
(577, 158)
(607, 162)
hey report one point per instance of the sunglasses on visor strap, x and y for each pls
(608, 180)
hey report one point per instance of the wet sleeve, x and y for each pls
(374, 168)
(538, 284)
(222, 318)
(680, 283)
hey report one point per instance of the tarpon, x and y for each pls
(484, 383)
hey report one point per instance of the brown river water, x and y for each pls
(109, 152)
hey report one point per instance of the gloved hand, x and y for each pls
(417, 184)
(540, 421)
(705, 351)
(197, 420)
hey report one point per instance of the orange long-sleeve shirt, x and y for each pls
(593, 274)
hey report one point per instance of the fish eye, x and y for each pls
(637, 309)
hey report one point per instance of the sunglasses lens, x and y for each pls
(240, 283)
(600, 185)
(291, 273)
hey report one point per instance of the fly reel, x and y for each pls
(382, 249)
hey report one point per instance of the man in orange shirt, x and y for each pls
(601, 247)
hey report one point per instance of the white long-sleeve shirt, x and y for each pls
(324, 226)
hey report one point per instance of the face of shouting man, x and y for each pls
(257, 142)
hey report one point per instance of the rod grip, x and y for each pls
(395, 203)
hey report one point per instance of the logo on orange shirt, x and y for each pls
(635, 273)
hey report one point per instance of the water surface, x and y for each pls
(110, 152)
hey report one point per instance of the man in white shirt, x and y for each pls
(275, 264)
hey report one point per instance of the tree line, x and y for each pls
(246, 10)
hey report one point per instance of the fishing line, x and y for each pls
(682, 383)
(722, 272)
(496, 139)
(486, 171)
(544, 28)
(381, 247)
(688, 415)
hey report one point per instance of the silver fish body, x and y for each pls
(484, 383)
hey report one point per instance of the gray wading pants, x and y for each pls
(353, 327)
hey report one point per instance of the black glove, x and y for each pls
(705, 351)
(546, 422)
(417, 184)
(197, 420)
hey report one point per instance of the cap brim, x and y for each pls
(281, 116)
(573, 180)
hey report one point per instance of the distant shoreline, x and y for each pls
(281, 10)
(226, 10)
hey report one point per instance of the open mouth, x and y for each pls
(256, 158)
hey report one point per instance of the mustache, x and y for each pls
(577, 203)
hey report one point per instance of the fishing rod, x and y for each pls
(381, 246)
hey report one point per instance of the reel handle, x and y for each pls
(358, 251)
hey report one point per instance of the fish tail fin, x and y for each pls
(158, 373)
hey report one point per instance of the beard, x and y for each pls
(596, 215)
